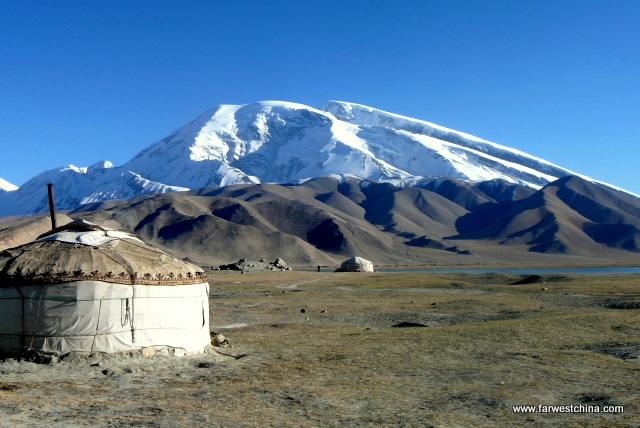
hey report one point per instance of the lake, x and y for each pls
(528, 270)
(518, 271)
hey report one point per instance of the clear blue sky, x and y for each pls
(84, 81)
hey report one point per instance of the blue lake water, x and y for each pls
(530, 270)
(522, 271)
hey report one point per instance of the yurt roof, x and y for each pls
(81, 251)
(356, 261)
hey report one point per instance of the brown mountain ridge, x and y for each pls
(440, 222)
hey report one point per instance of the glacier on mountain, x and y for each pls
(284, 142)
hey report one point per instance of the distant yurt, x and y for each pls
(356, 264)
(83, 288)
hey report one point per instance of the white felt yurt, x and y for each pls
(87, 289)
(356, 264)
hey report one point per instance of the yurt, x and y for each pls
(83, 288)
(356, 264)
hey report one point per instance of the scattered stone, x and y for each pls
(245, 266)
(218, 339)
(280, 264)
(148, 352)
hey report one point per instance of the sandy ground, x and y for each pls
(317, 349)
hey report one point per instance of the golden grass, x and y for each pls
(490, 346)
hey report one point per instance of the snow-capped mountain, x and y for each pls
(77, 186)
(282, 142)
(6, 186)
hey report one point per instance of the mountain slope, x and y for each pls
(569, 216)
(77, 186)
(283, 142)
(326, 220)
(448, 152)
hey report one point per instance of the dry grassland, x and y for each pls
(571, 340)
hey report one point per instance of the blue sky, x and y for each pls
(84, 81)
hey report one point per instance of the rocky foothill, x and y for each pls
(245, 265)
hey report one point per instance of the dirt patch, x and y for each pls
(529, 279)
(622, 351)
(623, 303)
